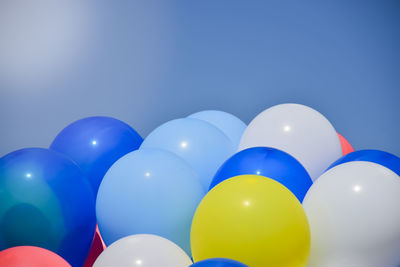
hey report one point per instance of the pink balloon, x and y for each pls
(97, 247)
(346, 146)
(27, 256)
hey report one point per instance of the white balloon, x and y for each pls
(298, 130)
(143, 250)
(354, 215)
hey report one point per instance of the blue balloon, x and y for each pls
(218, 262)
(46, 201)
(149, 191)
(201, 144)
(95, 143)
(230, 125)
(383, 158)
(268, 162)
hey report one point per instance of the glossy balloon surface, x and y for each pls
(299, 130)
(149, 191)
(46, 201)
(28, 256)
(218, 262)
(268, 162)
(354, 216)
(254, 220)
(383, 158)
(199, 143)
(95, 143)
(230, 125)
(143, 251)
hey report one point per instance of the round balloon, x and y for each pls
(251, 219)
(354, 216)
(201, 144)
(149, 191)
(95, 143)
(298, 130)
(268, 162)
(230, 125)
(143, 250)
(28, 256)
(380, 157)
(346, 146)
(218, 262)
(46, 201)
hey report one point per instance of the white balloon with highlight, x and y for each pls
(298, 130)
(143, 250)
(354, 216)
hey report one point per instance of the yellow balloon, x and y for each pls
(254, 220)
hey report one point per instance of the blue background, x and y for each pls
(146, 62)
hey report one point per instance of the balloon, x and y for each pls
(268, 162)
(46, 201)
(354, 216)
(251, 219)
(95, 143)
(143, 250)
(202, 145)
(27, 256)
(148, 191)
(298, 130)
(96, 249)
(383, 158)
(218, 262)
(230, 125)
(346, 146)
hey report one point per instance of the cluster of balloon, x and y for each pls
(286, 190)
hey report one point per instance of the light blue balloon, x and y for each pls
(230, 125)
(202, 145)
(148, 191)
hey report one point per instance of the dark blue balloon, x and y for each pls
(268, 162)
(95, 143)
(218, 262)
(383, 158)
(46, 201)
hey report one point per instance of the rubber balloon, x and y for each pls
(298, 130)
(199, 143)
(251, 219)
(96, 249)
(143, 250)
(346, 146)
(354, 216)
(46, 201)
(95, 143)
(230, 125)
(380, 157)
(27, 256)
(218, 262)
(149, 191)
(268, 162)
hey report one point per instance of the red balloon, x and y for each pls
(97, 248)
(346, 146)
(27, 256)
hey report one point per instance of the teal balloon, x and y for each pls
(46, 201)
(230, 125)
(149, 191)
(199, 143)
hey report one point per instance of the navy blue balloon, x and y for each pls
(95, 143)
(268, 162)
(218, 262)
(383, 158)
(46, 201)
